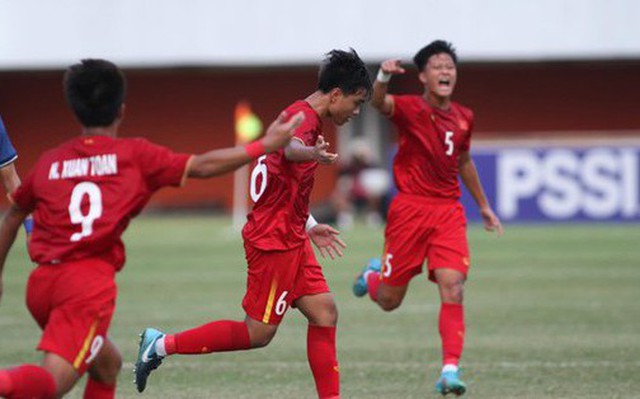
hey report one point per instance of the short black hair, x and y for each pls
(344, 70)
(95, 90)
(435, 47)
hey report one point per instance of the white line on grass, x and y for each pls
(359, 364)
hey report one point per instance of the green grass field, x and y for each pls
(552, 312)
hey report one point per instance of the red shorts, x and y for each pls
(73, 303)
(420, 228)
(278, 278)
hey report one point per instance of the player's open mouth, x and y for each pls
(444, 82)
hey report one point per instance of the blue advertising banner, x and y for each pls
(560, 183)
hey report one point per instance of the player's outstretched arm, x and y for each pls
(469, 175)
(325, 238)
(219, 162)
(297, 151)
(380, 99)
(8, 230)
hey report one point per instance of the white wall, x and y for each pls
(54, 33)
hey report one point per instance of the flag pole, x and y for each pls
(248, 127)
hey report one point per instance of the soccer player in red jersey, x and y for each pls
(83, 194)
(426, 220)
(283, 270)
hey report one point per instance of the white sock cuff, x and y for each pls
(449, 367)
(366, 274)
(160, 349)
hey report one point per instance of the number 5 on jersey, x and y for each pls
(259, 171)
(448, 140)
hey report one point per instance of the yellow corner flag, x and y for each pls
(248, 125)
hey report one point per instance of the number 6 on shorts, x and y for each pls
(281, 305)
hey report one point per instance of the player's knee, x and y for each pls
(332, 315)
(320, 310)
(452, 292)
(112, 369)
(106, 370)
(328, 317)
(325, 315)
(388, 302)
(261, 341)
(260, 338)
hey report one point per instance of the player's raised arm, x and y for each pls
(380, 99)
(8, 230)
(218, 162)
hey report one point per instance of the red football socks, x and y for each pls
(452, 330)
(321, 351)
(99, 390)
(217, 336)
(27, 381)
(6, 385)
(373, 282)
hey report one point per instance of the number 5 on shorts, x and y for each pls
(386, 270)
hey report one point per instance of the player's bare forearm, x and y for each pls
(8, 230)
(380, 100)
(218, 162)
(471, 180)
(10, 178)
(296, 151)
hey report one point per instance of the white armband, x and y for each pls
(311, 223)
(383, 77)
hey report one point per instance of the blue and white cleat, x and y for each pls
(148, 359)
(360, 285)
(450, 382)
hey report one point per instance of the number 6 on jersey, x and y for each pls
(259, 170)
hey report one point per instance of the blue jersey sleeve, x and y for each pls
(7, 152)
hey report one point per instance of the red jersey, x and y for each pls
(430, 143)
(84, 193)
(280, 190)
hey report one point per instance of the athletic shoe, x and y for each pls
(148, 359)
(450, 382)
(360, 285)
